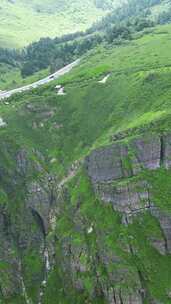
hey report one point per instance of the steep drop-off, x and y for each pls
(85, 182)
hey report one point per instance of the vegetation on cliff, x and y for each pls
(94, 254)
(85, 178)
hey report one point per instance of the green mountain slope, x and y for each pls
(85, 182)
(22, 22)
(47, 54)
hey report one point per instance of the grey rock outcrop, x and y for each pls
(106, 164)
(127, 198)
(114, 172)
(25, 166)
(9, 264)
(122, 160)
(23, 230)
(165, 224)
(89, 256)
(147, 151)
(40, 199)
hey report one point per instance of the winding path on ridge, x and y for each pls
(56, 75)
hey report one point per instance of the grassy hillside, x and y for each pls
(59, 130)
(22, 22)
(126, 23)
(139, 82)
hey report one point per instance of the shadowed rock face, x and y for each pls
(165, 224)
(167, 151)
(127, 198)
(122, 160)
(107, 164)
(115, 163)
(40, 199)
(8, 286)
(25, 166)
(24, 234)
(40, 193)
(113, 171)
(147, 153)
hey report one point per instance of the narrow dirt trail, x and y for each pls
(72, 172)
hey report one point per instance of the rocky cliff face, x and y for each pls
(118, 175)
(93, 239)
(24, 223)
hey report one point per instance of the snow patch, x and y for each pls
(2, 122)
(58, 86)
(61, 91)
(104, 80)
(90, 230)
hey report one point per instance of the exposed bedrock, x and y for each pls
(164, 219)
(127, 198)
(9, 264)
(39, 191)
(115, 171)
(122, 160)
(23, 229)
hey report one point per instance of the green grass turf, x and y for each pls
(22, 22)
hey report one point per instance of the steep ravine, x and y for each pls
(98, 237)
